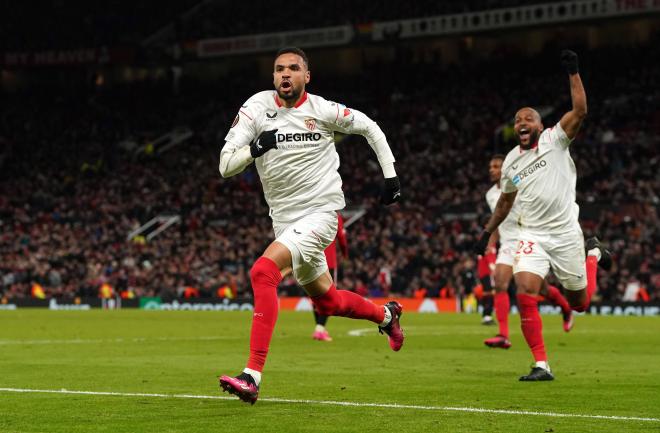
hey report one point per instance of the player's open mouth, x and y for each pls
(523, 133)
(286, 85)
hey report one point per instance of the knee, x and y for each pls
(526, 289)
(265, 271)
(257, 270)
(501, 279)
(500, 285)
(327, 304)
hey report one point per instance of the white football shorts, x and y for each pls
(536, 253)
(506, 252)
(307, 238)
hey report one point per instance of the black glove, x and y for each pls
(482, 242)
(391, 193)
(266, 141)
(569, 60)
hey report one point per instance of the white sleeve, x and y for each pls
(509, 179)
(235, 154)
(557, 137)
(350, 121)
(233, 160)
(507, 185)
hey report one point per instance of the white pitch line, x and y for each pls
(112, 340)
(428, 331)
(341, 403)
(419, 331)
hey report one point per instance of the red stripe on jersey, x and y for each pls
(277, 100)
(301, 100)
(534, 146)
(245, 114)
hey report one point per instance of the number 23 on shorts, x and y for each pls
(525, 247)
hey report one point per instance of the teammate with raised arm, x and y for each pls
(540, 175)
(507, 235)
(289, 135)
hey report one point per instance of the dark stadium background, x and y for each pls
(112, 114)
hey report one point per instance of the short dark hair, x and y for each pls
(498, 156)
(294, 50)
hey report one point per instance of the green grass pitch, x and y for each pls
(607, 366)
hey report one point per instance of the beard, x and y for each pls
(292, 96)
(533, 138)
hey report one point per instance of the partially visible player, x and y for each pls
(289, 135)
(320, 331)
(540, 175)
(485, 267)
(507, 234)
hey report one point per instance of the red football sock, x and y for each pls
(592, 276)
(555, 296)
(502, 306)
(265, 277)
(347, 304)
(532, 327)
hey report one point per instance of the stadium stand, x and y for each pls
(209, 20)
(85, 25)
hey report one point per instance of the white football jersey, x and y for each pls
(545, 179)
(300, 176)
(509, 227)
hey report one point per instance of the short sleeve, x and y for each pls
(340, 118)
(556, 137)
(507, 185)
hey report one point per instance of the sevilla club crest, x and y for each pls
(310, 124)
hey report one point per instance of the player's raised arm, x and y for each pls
(500, 213)
(572, 120)
(350, 121)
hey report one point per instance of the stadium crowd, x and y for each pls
(70, 192)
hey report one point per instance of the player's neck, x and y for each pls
(531, 146)
(289, 103)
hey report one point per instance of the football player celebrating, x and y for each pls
(289, 135)
(507, 234)
(540, 175)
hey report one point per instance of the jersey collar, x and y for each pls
(534, 146)
(301, 101)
